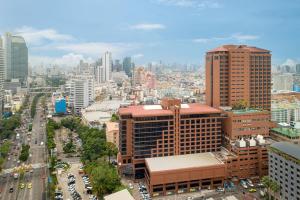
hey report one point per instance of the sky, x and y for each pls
(172, 31)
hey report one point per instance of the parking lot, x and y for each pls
(79, 186)
(238, 190)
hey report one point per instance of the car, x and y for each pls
(260, 185)
(244, 184)
(220, 189)
(22, 185)
(29, 185)
(252, 190)
(130, 186)
(249, 182)
(11, 190)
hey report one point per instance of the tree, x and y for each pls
(114, 117)
(24, 153)
(270, 185)
(239, 105)
(110, 150)
(105, 178)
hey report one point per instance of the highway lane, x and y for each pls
(37, 151)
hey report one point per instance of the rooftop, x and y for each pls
(288, 148)
(288, 132)
(233, 47)
(121, 195)
(246, 111)
(182, 162)
(154, 110)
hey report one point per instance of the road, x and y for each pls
(38, 157)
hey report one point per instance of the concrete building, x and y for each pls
(285, 112)
(112, 133)
(2, 66)
(127, 66)
(184, 173)
(284, 168)
(16, 53)
(107, 64)
(168, 129)
(121, 195)
(286, 134)
(282, 81)
(238, 72)
(81, 92)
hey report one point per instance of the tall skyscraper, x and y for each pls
(238, 72)
(127, 66)
(2, 64)
(107, 64)
(16, 56)
(298, 68)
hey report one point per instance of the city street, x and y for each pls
(37, 159)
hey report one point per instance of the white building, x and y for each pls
(282, 81)
(82, 92)
(2, 66)
(285, 112)
(107, 64)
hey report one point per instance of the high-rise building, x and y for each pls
(238, 72)
(284, 169)
(2, 65)
(82, 92)
(117, 66)
(16, 53)
(107, 64)
(298, 68)
(100, 74)
(283, 81)
(127, 66)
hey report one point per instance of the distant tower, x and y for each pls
(2, 65)
(107, 64)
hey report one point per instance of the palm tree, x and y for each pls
(267, 183)
(271, 185)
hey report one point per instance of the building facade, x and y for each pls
(2, 66)
(168, 129)
(238, 72)
(16, 53)
(284, 168)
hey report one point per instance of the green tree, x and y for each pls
(24, 153)
(105, 179)
(239, 105)
(114, 117)
(111, 150)
(272, 186)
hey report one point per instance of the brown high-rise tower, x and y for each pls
(238, 72)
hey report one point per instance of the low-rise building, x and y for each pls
(121, 195)
(112, 133)
(184, 173)
(282, 134)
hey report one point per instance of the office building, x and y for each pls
(283, 81)
(16, 53)
(60, 106)
(127, 66)
(284, 168)
(2, 65)
(238, 72)
(298, 68)
(285, 112)
(168, 129)
(82, 92)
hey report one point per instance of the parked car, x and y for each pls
(244, 184)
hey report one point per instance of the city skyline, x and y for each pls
(171, 30)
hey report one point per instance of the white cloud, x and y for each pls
(147, 27)
(191, 3)
(242, 37)
(290, 62)
(236, 36)
(97, 48)
(39, 36)
(137, 56)
(68, 60)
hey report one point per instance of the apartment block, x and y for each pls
(238, 72)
